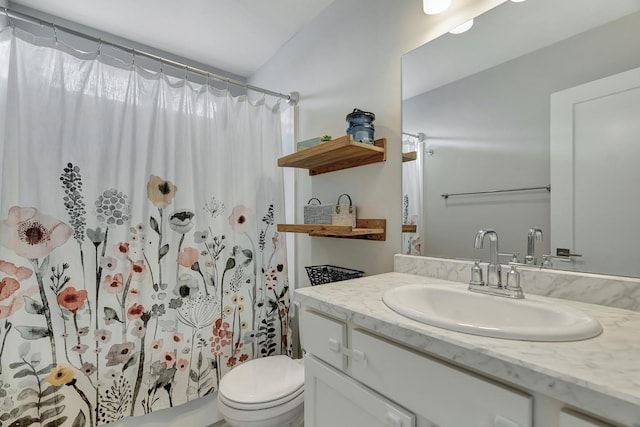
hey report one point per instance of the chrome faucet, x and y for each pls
(494, 272)
(534, 234)
(494, 285)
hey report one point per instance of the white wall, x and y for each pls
(491, 131)
(350, 56)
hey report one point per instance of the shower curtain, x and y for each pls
(139, 258)
(412, 190)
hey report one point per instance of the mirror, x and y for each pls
(483, 99)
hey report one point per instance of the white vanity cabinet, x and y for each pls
(568, 419)
(354, 378)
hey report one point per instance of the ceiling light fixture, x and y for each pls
(433, 7)
(518, 1)
(462, 28)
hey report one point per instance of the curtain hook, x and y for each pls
(186, 73)
(9, 20)
(207, 82)
(55, 32)
(161, 70)
(99, 46)
(133, 56)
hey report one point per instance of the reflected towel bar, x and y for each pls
(447, 195)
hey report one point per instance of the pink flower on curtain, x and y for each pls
(239, 219)
(8, 286)
(114, 284)
(31, 234)
(133, 294)
(108, 263)
(168, 360)
(138, 271)
(15, 303)
(72, 299)
(188, 256)
(182, 364)
(8, 268)
(161, 192)
(157, 345)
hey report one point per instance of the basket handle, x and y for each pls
(349, 197)
(312, 199)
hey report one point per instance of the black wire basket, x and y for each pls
(321, 274)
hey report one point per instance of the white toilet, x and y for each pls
(264, 392)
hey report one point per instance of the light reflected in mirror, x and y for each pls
(483, 99)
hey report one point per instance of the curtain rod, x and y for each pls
(419, 136)
(292, 98)
(447, 195)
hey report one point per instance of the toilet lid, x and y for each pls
(263, 380)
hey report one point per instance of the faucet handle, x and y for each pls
(514, 256)
(513, 283)
(476, 275)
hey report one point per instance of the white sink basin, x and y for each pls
(456, 308)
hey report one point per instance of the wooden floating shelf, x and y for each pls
(409, 228)
(368, 229)
(409, 156)
(337, 154)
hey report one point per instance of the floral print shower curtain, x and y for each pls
(139, 258)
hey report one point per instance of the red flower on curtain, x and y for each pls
(31, 234)
(72, 299)
(122, 250)
(135, 311)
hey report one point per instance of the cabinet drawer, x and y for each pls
(332, 399)
(572, 419)
(325, 338)
(444, 395)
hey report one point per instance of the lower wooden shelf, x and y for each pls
(409, 228)
(368, 229)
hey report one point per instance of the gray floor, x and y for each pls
(222, 424)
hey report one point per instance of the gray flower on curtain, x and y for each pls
(112, 208)
(73, 200)
(181, 221)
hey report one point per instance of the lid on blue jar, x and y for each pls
(358, 113)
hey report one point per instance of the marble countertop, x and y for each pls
(600, 375)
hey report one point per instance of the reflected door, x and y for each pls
(595, 178)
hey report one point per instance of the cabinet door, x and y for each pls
(443, 394)
(325, 338)
(334, 400)
(570, 419)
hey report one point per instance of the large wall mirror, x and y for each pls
(531, 119)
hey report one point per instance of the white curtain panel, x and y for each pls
(139, 258)
(412, 190)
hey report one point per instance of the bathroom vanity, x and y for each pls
(368, 366)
